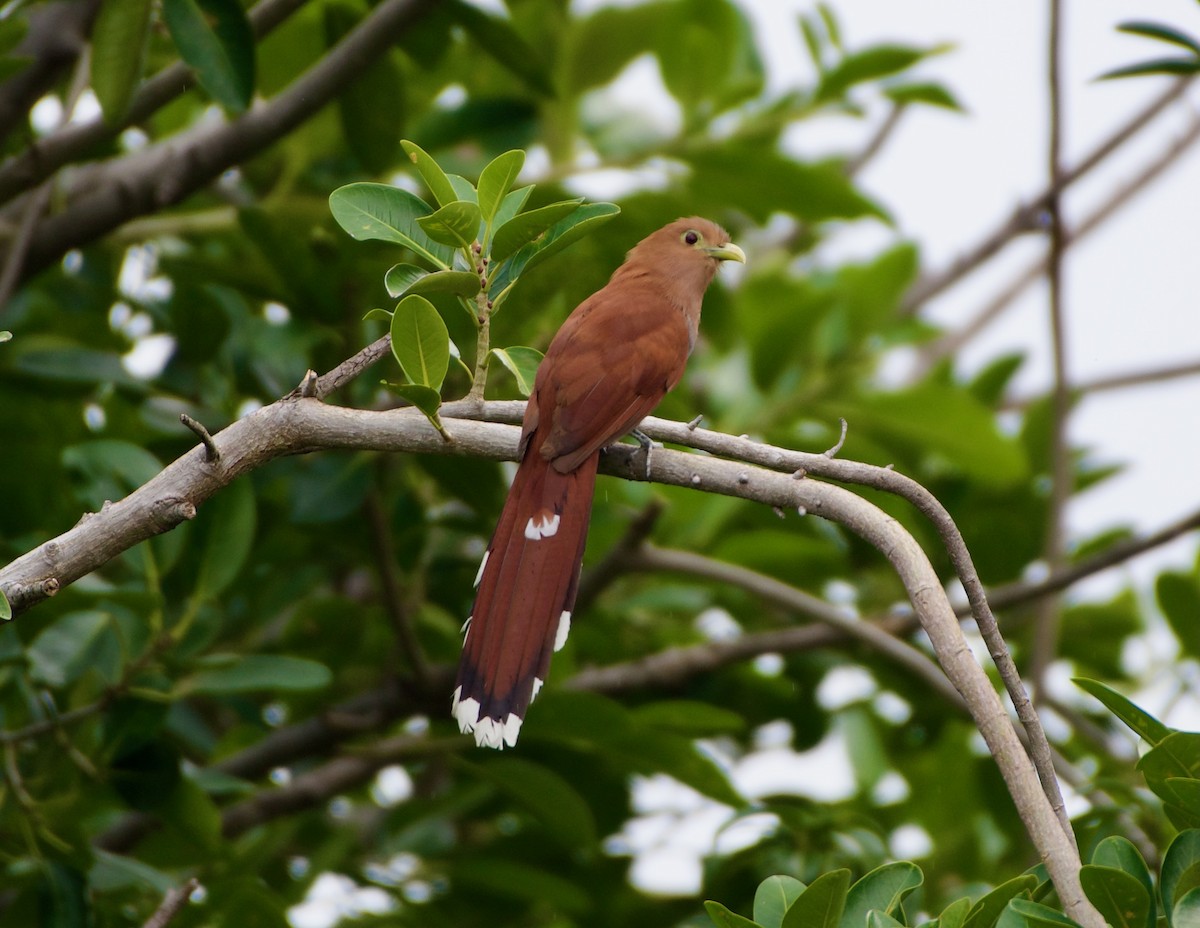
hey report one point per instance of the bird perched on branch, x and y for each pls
(610, 364)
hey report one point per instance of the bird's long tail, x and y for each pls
(526, 591)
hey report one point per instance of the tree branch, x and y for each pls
(173, 902)
(105, 196)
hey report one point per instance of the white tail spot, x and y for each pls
(564, 629)
(466, 627)
(482, 565)
(492, 733)
(465, 711)
(542, 525)
(537, 687)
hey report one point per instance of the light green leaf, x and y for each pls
(723, 918)
(5, 608)
(772, 898)
(214, 38)
(868, 65)
(525, 227)
(118, 54)
(884, 888)
(1180, 871)
(377, 313)
(400, 277)
(821, 905)
(426, 399)
(954, 915)
(522, 363)
(1186, 913)
(877, 919)
(463, 188)
(929, 94)
(1142, 722)
(230, 518)
(431, 172)
(986, 911)
(1030, 914)
(1179, 599)
(388, 214)
(255, 673)
(456, 224)
(495, 181)
(1120, 897)
(400, 282)
(420, 342)
(512, 204)
(5, 336)
(62, 651)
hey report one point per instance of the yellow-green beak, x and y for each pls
(726, 252)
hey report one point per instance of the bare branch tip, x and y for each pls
(308, 386)
(694, 423)
(832, 452)
(211, 453)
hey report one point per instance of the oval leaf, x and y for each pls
(821, 905)
(260, 672)
(522, 363)
(883, 889)
(1180, 871)
(400, 277)
(460, 283)
(431, 172)
(1120, 897)
(772, 898)
(496, 179)
(420, 342)
(723, 918)
(387, 214)
(1179, 599)
(214, 38)
(377, 313)
(525, 227)
(118, 53)
(456, 224)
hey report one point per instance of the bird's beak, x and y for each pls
(727, 252)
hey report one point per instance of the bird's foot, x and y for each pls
(648, 445)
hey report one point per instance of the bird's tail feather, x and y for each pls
(526, 591)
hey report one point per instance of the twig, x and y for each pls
(837, 446)
(950, 343)
(212, 454)
(173, 902)
(1119, 382)
(1024, 216)
(395, 602)
(876, 142)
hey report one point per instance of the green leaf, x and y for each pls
(463, 188)
(420, 342)
(495, 181)
(689, 717)
(460, 283)
(110, 872)
(1186, 913)
(1120, 897)
(884, 888)
(5, 336)
(821, 905)
(1026, 912)
(525, 227)
(1179, 599)
(987, 910)
(424, 398)
(868, 65)
(378, 313)
(456, 224)
(400, 277)
(61, 652)
(877, 919)
(230, 519)
(547, 796)
(522, 363)
(772, 898)
(5, 608)
(496, 37)
(1162, 33)
(255, 673)
(431, 172)
(1143, 723)
(191, 816)
(1120, 853)
(570, 229)
(929, 94)
(1155, 66)
(370, 126)
(954, 915)
(1180, 871)
(512, 204)
(723, 918)
(118, 54)
(1176, 757)
(388, 214)
(215, 40)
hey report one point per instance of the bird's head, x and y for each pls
(685, 255)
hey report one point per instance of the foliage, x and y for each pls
(237, 699)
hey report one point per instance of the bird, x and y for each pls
(609, 365)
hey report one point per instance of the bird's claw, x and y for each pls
(647, 444)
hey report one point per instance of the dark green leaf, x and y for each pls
(255, 673)
(877, 919)
(230, 519)
(400, 277)
(1120, 853)
(118, 54)
(547, 796)
(884, 888)
(1162, 33)
(1176, 756)
(955, 914)
(689, 717)
(1156, 66)
(929, 94)
(1179, 599)
(772, 898)
(987, 910)
(460, 283)
(495, 181)
(431, 172)
(61, 652)
(1120, 897)
(821, 905)
(63, 897)
(456, 224)
(389, 214)
(496, 37)
(371, 107)
(1030, 914)
(525, 227)
(723, 918)
(111, 872)
(420, 342)
(5, 608)
(1143, 723)
(1180, 872)
(598, 47)
(215, 40)
(522, 363)
(424, 398)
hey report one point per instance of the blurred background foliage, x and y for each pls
(232, 700)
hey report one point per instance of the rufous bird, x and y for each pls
(610, 364)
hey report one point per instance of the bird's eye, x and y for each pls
(691, 236)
